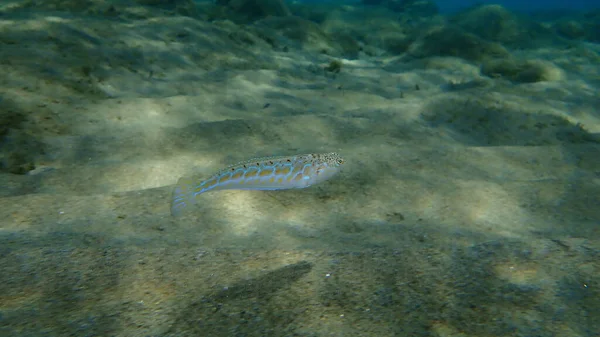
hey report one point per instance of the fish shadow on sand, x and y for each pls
(241, 305)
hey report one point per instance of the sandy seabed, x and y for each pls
(469, 205)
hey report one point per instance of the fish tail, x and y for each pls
(182, 196)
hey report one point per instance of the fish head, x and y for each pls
(327, 166)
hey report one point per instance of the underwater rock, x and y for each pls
(452, 41)
(301, 34)
(334, 66)
(497, 24)
(591, 25)
(9, 118)
(252, 10)
(61, 5)
(18, 160)
(352, 29)
(395, 44)
(169, 4)
(183, 7)
(112, 8)
(528, 71)
(350, 48)
(593, 32)
(490, 22)
(570, 29)
(417, 8)
(18, 147)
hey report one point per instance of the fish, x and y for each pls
(266, 173)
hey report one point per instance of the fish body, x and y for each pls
(268, 173)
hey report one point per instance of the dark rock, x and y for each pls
(496, 24)
(183, 7)
(252, 10)
(452, 41)
(416, 8)
(528, 71)
(570, 29)
(298, 33)
(490, 22)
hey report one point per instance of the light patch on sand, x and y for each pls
(241, 210)
(521, 274)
